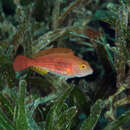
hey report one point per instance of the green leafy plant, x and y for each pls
(97, 31)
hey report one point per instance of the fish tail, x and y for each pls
(21, 63)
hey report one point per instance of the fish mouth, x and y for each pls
(90, 71)
(85, 74)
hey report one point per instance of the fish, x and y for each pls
(58, 61)
(92, 34)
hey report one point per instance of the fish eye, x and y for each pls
(83, 66)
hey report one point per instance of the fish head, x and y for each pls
(82, 68)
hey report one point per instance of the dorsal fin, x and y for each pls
(53, 51)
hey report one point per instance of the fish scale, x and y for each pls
(59, 61)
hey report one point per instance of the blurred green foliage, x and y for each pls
(97, 31)
(90, 123)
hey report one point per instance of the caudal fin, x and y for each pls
(21, 63)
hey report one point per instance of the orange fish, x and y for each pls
(60, 61)
(92, 34)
